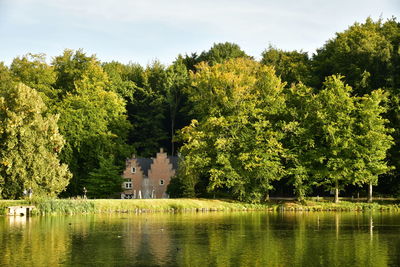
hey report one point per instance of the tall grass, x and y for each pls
(341, 206)
(79, 206)
(64, 206)
(190, 205)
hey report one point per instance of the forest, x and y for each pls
(288, 124)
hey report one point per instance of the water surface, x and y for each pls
(203, 239)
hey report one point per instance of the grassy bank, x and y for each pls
(392, 205)
(77, 206)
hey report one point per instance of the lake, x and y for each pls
(203, 239)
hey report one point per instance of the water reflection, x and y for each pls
(17, 221)
(203, 239)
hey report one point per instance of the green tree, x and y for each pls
(177, 80)
(367, 54)
(190, 61)
(195, 161)
(74, 66)
(372, 140)
(95, 126)
(6, 79)
(221, 52)
(234, 145)
(122, 78)
(291, 66)
(92, 117)
(147, 111)
(33, 71)
(362, 54)
(335, 114)
(155, 100)
(104, 181)
(29, 145)
(299, 138)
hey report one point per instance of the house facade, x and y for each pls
(148, 177)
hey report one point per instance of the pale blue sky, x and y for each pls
(143, 30)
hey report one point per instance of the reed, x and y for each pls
(341, 206)
(80, 206)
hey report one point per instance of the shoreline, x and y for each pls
(88, 206)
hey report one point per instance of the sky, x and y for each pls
(141, 31)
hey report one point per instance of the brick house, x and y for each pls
(148, 178)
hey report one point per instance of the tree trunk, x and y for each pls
(173, 111)
(336, 193)
(300, 195)
(267, 191)
(267, 196)
(172, 135)
(370, 193)
(299, 189)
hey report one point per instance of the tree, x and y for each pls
(6, 79)
(362, 54)
(155, 101)
(92, 117)
(190, 61)
(334, 137)
(367, 55)
(177, 81)
(104, 181)
(29, 145)
(221, 52)
(121, 80)
(291, 66)
(148, 110)
(299, 138)
(94, 124)
(33, 71)
(195, 161)
(372, 140)
(234, 145)
(74, 66)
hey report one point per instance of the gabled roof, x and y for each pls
(174, 162)
(144, 164)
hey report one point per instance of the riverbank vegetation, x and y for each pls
(288, 124)
(91, 206)
(78, 206)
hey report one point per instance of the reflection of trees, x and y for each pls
(202, 239)
(33, 241)
(283, 239)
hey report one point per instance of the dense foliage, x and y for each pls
(29, 145)
(292, 122)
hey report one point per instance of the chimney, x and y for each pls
(161, 150)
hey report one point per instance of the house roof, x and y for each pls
(174, 162)
(144, 164)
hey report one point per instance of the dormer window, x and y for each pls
(133, 169)
(161, 182)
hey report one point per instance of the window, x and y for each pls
(161, 182)
(133, 170)
(128, 185)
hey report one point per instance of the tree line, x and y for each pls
(241, 127)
